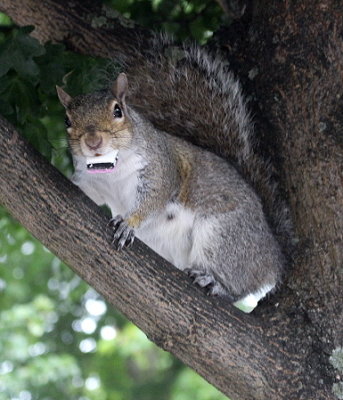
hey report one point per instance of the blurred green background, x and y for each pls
(58, 338)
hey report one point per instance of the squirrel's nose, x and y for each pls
(93, 142)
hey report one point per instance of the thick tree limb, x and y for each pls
(230, 349)
(296, 52)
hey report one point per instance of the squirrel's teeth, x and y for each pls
(102, 164)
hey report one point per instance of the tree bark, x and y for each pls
(289, 57)
(295, 52)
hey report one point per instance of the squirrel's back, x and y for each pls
(203, 217)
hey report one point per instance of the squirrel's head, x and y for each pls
(97, 123)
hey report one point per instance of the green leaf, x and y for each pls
(5, 107)
(17, 53)
(5, 20)
(51, 68)
(22, 97)
(37, 135)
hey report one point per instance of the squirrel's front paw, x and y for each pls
(123, 234)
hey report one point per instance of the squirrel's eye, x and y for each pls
(117, 112)
(67, 122)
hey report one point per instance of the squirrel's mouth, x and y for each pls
(101, 164)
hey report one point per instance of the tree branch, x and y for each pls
(230, 349)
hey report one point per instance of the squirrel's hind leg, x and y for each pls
(202, 258)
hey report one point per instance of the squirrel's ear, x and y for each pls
(64, 97)
(119, 87)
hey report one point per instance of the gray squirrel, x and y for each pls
(189, 205)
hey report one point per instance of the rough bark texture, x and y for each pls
(294, 52)
(289, 56)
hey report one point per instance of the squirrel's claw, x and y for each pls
(207, 281)
(130, 239)
(114, 222)
(123, 234)
(200, 277)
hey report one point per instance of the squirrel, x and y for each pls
(192, 207)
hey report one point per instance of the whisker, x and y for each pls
(60, 150)
(60, 143)
(62, 139)
(58, 155)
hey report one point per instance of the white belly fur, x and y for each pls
(170, 238)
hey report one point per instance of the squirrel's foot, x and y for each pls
(123, 234)
(202, 278)
(206, 280)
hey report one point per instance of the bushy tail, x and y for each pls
(186, 92)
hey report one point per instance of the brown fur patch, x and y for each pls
(135, 220)
(185, 170)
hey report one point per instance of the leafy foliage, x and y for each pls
(58, 338)
(196, 19)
